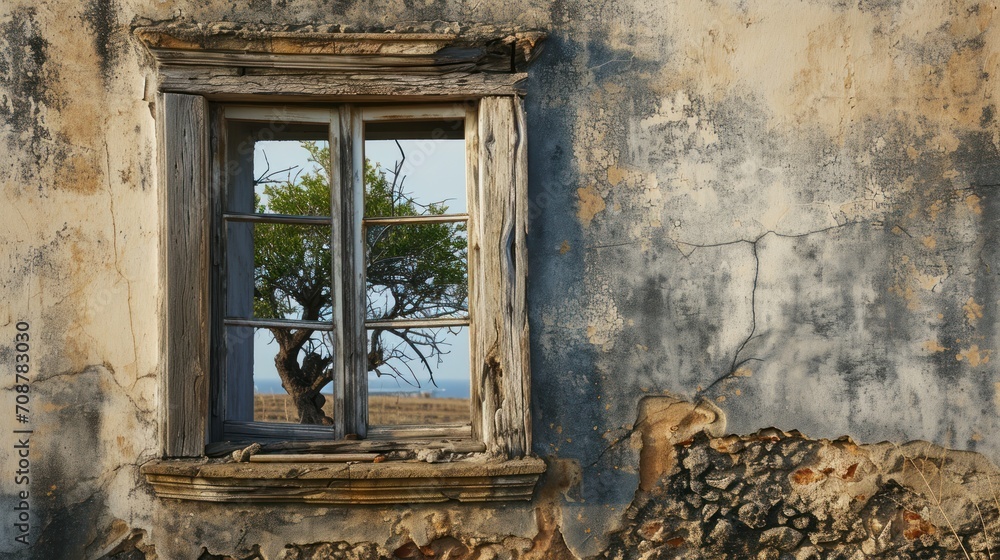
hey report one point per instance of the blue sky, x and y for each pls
(434, 171)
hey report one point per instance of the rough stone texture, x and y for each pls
(782, 495)
(787, 208)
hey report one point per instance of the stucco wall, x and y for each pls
(786, 208)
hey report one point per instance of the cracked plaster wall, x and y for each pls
(786, 208)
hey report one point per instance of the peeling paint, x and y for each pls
(934, 346)
(974, 355)
(590, 204)
(973, 311)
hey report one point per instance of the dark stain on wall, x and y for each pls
(69, 485)
(556, 375)
(101, 17)
(23, 73)
(874, 5)
(25, 76)
(37, 261)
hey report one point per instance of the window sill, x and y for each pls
(344, 483)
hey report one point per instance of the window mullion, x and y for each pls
(355, 357)
(358, 412)
(337, 263)
(475, 219)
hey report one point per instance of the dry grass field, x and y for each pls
(382, 410)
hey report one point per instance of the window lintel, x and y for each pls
(424, 48)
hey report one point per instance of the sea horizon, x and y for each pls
(446, 388)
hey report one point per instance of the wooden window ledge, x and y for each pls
(344, 483)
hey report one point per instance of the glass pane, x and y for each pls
(278, 168)
(256, 374)
(411, 173)
(418, 376)
(416, 271)
(278, 271)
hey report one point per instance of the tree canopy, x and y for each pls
(412, 272)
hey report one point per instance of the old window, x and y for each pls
(350, 297)
(337, 267)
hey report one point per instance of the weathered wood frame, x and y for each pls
(221, 62)
(186, 218)
(343, 199)
(499, 275)
(397, 114)
(345, 483)
(497, 179)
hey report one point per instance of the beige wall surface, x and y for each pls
(784, 210)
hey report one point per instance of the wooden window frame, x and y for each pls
(195, 72)
(347, 208)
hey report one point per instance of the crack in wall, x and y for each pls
(736, 363)
(125, 391)
(114, 238)
(680, 246)
(753, 324)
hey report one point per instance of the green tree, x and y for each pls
(412, 272)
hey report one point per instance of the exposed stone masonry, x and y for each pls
(776, 495)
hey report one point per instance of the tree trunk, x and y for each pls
(303, 384)
(310, 407)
